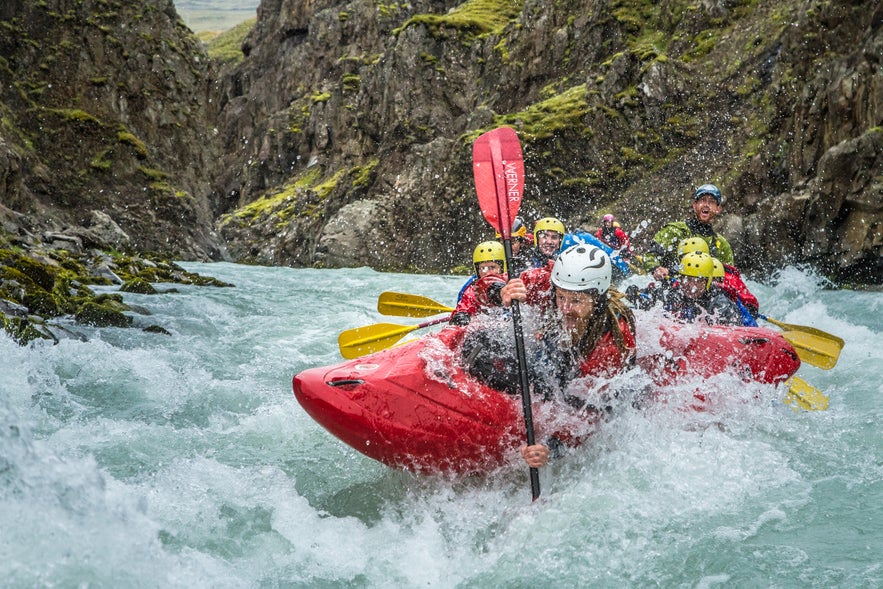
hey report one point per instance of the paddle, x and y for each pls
(802, 395)
(373, 338)
(636, 269)
(498, 169)
(812, 345)
(401, 304)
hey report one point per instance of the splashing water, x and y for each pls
(138, 459)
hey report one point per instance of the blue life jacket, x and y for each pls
(472, 279)
(748, 319)
(587, 238)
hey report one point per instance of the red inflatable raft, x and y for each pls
(413, 407)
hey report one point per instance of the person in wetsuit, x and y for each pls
(661, 256)
(586, 330)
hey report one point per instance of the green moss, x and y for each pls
(544, 119)
(102, 314)
(153, 174)
(127, 138)
(41, 302)
(361, 175)
(703, 44)
(304, 197)
(227, 47)
(351, 82)
(269, 204)
(324, 188)
(23, 331)
(75, 114)
(473, 17)
(321, 97)
(138, 286)
(101, 160)
(503, 49)
(390, 10)
(161, 186)
(651, 45)
(154, 269)
(40, 274)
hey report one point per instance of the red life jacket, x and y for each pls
(606, 359)
(735, 288)
(475, 297)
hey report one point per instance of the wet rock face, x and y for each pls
(105, 113)
(616, 111)
(845, 210)
(343, 136)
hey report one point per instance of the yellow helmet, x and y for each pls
(489, 251)
(698, 265)
(692, 244)
(549, 224)
(719, 271)
(519, 229)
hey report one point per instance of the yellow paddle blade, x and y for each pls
(636, 269)
(401, 304)
(814, 346)
(813, 349)
(371, 338)
(802, 395)
(806, 328)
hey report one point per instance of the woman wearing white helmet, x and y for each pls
(588, 330)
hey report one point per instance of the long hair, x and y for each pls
(609, 309)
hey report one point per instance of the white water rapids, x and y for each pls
(142, 460)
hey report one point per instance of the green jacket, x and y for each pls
(664, 249)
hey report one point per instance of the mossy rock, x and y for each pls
(111, 299)
(101, 315)
(23, 331)
(42, 303)
(157, 329)
(200, 280)
(41, 274)
(138, 286)
(14, 276)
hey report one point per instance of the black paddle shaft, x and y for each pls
(522, 373)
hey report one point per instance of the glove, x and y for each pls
(460, 319)
(487, 290)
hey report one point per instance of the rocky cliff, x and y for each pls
(106, 134)
(343, 135)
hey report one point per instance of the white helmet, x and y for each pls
(582, 267)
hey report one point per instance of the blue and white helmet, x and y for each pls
(582, 267)
(708, 189)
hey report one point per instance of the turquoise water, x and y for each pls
(143, 460)
(215, 15)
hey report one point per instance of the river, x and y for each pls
(215, 15)
(137, 459)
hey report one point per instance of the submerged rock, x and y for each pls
(38, 283)
(102, 315)
(138, 286)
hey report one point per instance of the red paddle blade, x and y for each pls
(499, 177)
